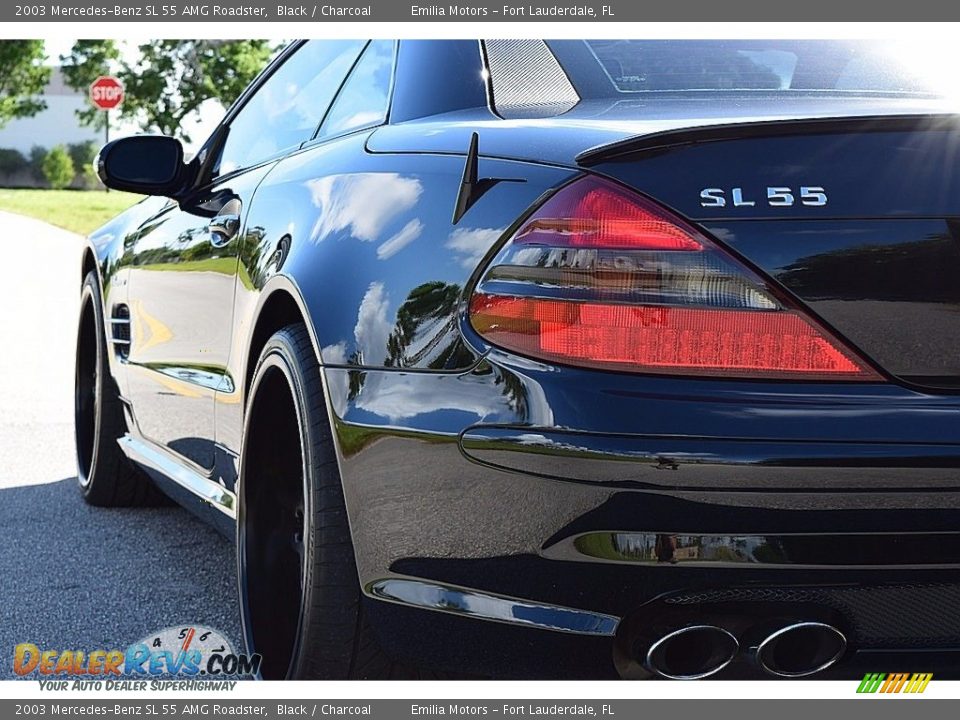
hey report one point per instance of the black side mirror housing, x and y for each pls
(144, 164)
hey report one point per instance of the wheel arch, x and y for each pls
(280, 304)
(88, 263)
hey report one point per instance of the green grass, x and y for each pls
(79, 211)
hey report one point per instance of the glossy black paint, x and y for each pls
(896, 174)
(887, 286)
(597, 123)
(873, 261)
(147, 164)
(460, 86)
(466, 466)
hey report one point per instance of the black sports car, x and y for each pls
(550, 359)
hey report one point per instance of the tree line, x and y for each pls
(165, 81)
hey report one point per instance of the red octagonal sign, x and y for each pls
(106, 92)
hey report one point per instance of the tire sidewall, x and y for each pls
(279, 355)
(90, 296)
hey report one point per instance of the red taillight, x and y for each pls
(600, 277)
(601, 215)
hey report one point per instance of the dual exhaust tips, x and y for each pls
(791, 651)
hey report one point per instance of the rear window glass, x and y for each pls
(636, 66)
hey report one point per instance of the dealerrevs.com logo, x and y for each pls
(890, 683)
(191, 651)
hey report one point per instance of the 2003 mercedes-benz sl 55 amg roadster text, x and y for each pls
(551, 359)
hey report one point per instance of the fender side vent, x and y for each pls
(120, 331)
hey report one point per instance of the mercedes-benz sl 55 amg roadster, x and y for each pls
(515, 358)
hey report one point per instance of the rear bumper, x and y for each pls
(537, 512)
(873, 626)
(715, 464)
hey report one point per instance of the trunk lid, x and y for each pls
(558, 140)
(858, 218)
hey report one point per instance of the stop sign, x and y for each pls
(106, 92)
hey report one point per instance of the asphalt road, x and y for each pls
(73, 576)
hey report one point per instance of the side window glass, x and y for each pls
(364, 98)
(287, 108)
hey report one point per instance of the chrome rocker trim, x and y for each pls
(156, 461)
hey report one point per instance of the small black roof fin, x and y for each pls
(471, 187)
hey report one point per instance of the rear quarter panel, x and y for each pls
(369, 248)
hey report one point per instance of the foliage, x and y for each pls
(58, 167)
(12, 161)
(170, 79)
(37, 155)
(88, 60)
(83, 154)
(23, 78)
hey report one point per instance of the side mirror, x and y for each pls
(144, 164)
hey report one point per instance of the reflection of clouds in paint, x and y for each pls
(334, 354)
(370, 332)
(338, 391)
(410, 232)
(372, 326)
(472, 244)
(363, 203)
(400, 398)
(533, 439)
(722, 234)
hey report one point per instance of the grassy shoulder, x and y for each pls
(80, 211)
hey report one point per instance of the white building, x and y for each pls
(56, 125)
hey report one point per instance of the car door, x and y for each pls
(183, 262)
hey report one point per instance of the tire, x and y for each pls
(105, 476)
(301, 605)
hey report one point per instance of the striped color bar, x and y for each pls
(894, 682)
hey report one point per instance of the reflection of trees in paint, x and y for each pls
(426, 331)
(425, 327)
(191, 245)
(884, 272)
(356, 377)
(516, 394)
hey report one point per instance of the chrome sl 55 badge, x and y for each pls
(809, 195)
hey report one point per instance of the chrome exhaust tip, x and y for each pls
(801, 649)
(692, 652)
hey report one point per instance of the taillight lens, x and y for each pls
(601, 277)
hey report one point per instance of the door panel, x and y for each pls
(183, 262)
(182, 276)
